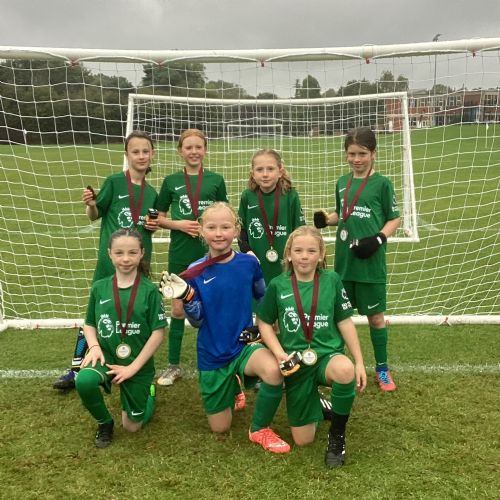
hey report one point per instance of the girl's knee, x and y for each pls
(340, 369)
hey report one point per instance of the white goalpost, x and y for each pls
(435, 107)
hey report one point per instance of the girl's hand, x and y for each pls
(93, 355)
(120, 373)
(361, 379)
(190, 227)
(88, 197)
(151, 224)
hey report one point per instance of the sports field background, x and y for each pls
(436, 437)
(49, 246)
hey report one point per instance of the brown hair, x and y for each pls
(144, 266)
(304, 231)
(139, 134)
(361, 136)
(189, 133)
(284, 181)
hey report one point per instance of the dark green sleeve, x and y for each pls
(389, 204)
(156, 317)
(90, 315)
(298, 218)
(221, 191)
(268, 308)
(164, 198)
(104, 197)
(341, 304)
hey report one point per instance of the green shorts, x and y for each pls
(218, 387)
(302, 396)
(134, 392)
(367, 298)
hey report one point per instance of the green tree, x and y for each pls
(309, 89)
(177, 78)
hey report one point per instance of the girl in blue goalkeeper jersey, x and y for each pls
(217, 296)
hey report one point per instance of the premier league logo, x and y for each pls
(291, 320)
(256, 229)
(105, 326)
(125, 218)
(185, 205)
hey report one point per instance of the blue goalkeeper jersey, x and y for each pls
(222, 308)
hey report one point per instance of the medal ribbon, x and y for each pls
(194, 201)
(130, 307)
(135, 210)
(196, 270)
(308, 329)
(346, 212)
(270, 234)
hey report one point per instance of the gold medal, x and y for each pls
(343, 234)
(309, 357)
(272, 255)
(123, 351)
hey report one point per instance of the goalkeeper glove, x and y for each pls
(320, 219)
(173, 287)
(366, 247)
(250, 335)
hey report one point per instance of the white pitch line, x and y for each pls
(191, 373)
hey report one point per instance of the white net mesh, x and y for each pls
(62, 128)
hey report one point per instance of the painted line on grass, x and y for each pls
(191, 373)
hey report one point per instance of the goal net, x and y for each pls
(64, 114)
(308, 135)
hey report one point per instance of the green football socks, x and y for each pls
(87, 386)
(266, 405)
(379, 342)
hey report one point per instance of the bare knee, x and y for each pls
(303, 436)
(220, 423)
(340, 369)
(130, 426)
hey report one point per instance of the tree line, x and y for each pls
(46, 102)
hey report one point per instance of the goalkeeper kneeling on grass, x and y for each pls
(315, 322)
(124, 326)
(217, 293)
(366, 214)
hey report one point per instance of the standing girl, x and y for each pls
(123, 202)
(269, 211)
(218, 300)
(366, 214)
(313, 312)
(186, 194)
(124, 326)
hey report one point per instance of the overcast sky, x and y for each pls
(251, 24)
(228, 24)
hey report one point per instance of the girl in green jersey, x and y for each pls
(122, 202)
(314, 316)
(124, 326)
(366, 215)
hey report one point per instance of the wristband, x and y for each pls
(95, 345)
(189, 295)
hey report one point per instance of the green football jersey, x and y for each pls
(173, 197)
(374, 207)
(148, 315)
(113, 206)
(290, 217)
(333, 307)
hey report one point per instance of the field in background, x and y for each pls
(454, 269)
(436, 437)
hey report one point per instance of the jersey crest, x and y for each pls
(291, 320)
